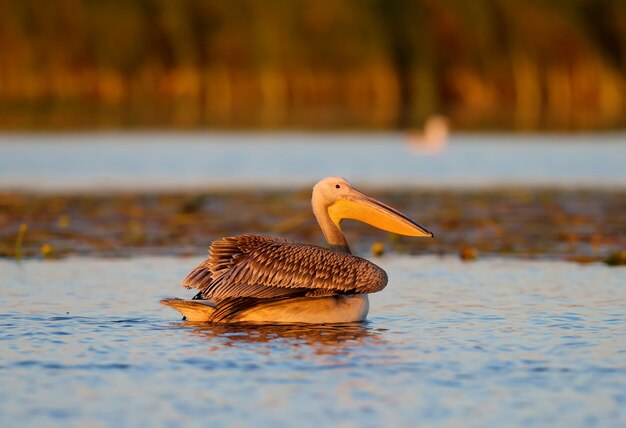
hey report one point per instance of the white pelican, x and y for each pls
(260, 279)
(434, 138)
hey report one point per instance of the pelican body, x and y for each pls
(260, 279)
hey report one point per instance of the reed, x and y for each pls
(19, 241)
(558, 64)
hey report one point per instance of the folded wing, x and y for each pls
(253, 266)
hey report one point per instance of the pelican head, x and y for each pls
(334, 200)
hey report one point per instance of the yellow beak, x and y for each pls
(358, 206)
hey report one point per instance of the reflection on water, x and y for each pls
(339, 339)
(496, 342)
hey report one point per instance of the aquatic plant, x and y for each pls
(569, 224)
(47, 250)
(617, 258)
(19, 241)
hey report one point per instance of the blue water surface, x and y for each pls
(180, 160)
(497, 342)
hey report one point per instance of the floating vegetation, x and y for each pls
(468, 254)
(577, 225)
(63, 222)
(193, 204)
(377, 249)
(617, 258)
(47, 250)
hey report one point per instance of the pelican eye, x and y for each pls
(337, 186)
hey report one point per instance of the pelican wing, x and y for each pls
(263, 267)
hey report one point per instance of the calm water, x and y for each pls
(84, 342)
(166, 160)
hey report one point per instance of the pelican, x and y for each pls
(260, 279)
(434, 138)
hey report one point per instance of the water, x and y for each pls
(497, 342)
(170, 160)
(84, 341)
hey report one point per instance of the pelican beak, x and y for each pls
(357, 206)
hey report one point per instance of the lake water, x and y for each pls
(174, 160)
(497, 342)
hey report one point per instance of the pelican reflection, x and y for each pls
(336, 339)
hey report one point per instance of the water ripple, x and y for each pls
(457, 343)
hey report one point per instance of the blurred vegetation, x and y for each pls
(581, 225)
(521, 64)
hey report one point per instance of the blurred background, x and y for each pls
(155, 126)
(353, 64)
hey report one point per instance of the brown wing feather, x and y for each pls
(265, 267)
